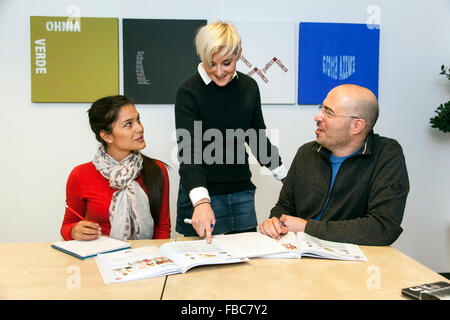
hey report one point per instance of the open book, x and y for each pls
(291, 245)
(90, 248)
(302, 244)
(170, 258)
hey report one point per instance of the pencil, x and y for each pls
(74, 212)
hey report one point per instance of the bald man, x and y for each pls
(350, 185)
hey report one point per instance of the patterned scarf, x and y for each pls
(129, 212)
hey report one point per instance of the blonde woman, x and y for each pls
(217, 110)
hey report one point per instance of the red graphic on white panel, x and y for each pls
(262, 72)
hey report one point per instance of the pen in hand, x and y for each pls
(189, 221)
(208, 240)
(283, 228)
(83, 219)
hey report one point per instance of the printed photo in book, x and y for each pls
(170, 258)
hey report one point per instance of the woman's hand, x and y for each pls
(203, 220)
(86, 230)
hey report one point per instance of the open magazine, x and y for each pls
(250, 244)
(180, 256)
(170, 258)
(291, 245)
(302, 244)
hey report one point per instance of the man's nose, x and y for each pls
(319, 116)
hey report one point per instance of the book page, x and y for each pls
(315, 247)
(290, 242)
(132, 264)
(249, 244)
(188, 254)
(91, 247)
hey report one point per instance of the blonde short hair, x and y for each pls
(216, 37)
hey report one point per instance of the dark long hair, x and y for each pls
(102, 115)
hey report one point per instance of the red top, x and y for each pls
(89, 194)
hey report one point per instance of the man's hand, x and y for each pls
(273, 228)
(203, 220)
(293, 224)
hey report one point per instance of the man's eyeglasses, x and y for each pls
(331, 114)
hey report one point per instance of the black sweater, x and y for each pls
(220, 111)
(368, 198)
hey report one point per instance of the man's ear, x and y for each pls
(107, 137)
(358, 125)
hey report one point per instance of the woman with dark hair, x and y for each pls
(121, 192)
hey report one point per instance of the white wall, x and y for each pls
(41, 143)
